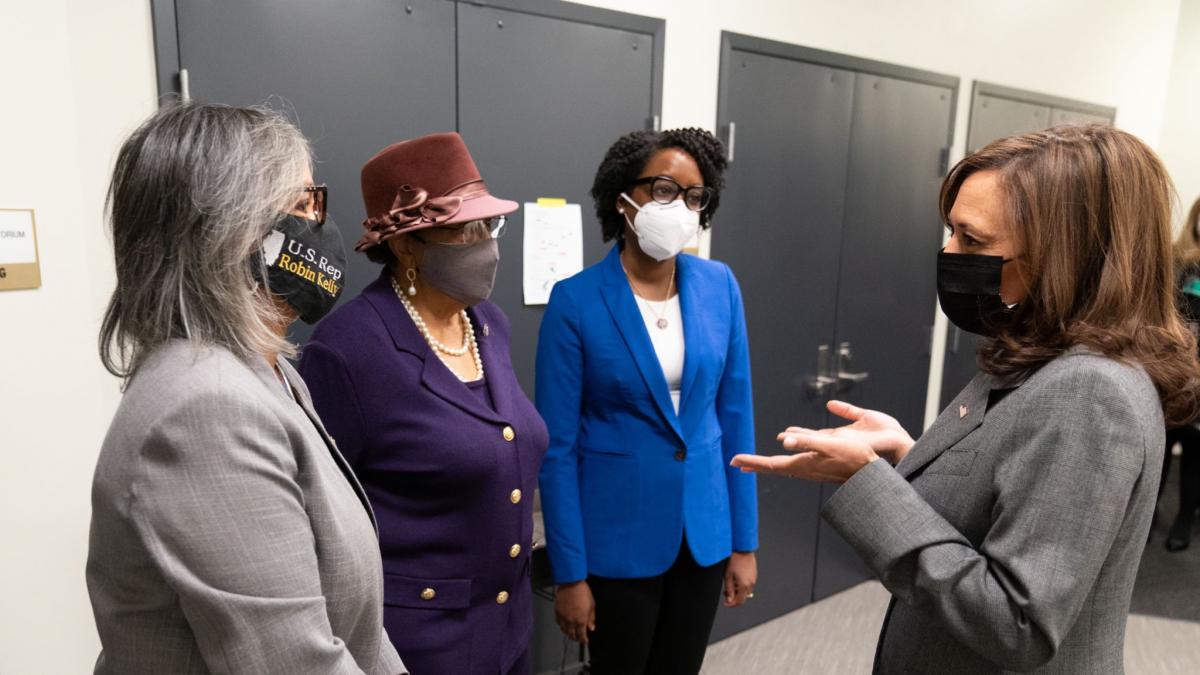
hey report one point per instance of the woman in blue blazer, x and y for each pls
(643, 378)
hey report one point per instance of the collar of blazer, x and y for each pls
(964, 415)
(618, 298)
(304, 400)
(435, 376)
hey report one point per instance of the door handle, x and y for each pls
(821, 384)
(844, 377)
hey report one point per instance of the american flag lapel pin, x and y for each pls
(962, 411)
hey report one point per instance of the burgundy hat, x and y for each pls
(424, 182)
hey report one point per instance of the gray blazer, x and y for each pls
(1010, 537)
(228, 534)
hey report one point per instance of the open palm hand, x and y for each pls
(834, 455)
(879, 430)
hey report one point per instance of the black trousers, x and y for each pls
(1188, 438)
(656, 625)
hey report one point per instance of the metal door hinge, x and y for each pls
(654, 123)
(944, 162)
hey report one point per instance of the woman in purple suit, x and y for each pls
(414, 381)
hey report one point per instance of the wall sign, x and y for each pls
(18, 250)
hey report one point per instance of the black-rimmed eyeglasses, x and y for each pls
(664, 190)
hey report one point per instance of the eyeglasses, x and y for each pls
(314, 200)
(665, 190)
(470, 233)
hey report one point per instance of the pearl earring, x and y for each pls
(411, 275)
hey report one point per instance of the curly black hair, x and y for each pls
(625, 160)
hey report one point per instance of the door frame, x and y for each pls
(168, 61)
(731, 41)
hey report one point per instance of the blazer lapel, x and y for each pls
(491, 354)
(960, 418)
(304, 400)
(435, 376)
(618, 297)
(693, 326)
(438, 379)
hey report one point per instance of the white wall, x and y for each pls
(78, 76)
(1180, 143)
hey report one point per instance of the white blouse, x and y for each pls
(668, 342)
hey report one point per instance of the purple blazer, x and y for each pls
(450, 477)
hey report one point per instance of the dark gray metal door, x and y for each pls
(886, 296)
(995, 117)
(540, 100)
(1065, 116)
(779, 229)
(349, 71)
(538, 90)
(830, 223)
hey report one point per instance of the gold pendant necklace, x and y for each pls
(662, 322)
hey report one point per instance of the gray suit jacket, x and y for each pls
(1010, 537)
(228, 535)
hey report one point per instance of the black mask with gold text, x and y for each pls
(306, 265)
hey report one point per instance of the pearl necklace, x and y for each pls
(469, 343)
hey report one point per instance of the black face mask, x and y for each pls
(306, 265)
(969, 291)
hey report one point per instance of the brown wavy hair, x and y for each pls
(1090, 212)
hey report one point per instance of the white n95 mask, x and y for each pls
(663, 229)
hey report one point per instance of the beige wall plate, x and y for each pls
(18, 250)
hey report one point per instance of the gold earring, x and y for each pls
(411, 275)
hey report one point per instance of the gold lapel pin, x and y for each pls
(962, 411)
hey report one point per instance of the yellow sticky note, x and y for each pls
(548, 202)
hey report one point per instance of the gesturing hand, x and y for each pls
(833, 455)
(880, 431)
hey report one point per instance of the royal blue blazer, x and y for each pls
(625, 478)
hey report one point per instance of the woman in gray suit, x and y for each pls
(1010, 533)
(228, 534)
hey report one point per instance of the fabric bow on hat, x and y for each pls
(412, 207)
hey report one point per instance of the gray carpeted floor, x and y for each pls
(837, 635)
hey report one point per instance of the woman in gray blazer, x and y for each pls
(228, 534)
(1010, 534)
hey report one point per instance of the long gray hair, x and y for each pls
(195, 189)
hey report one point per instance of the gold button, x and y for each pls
(509, 434)
(428, 594)
(502, 598)
(515, 497)
(514, 551)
